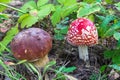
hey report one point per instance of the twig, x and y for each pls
(11, 7)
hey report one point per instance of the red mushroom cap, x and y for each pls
(31, 44)
(82, 32)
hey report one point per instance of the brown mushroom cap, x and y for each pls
(31, 44)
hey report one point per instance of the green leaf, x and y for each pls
(45, 10)
(59, 36)
(29, 6)
(2, 8)
(118, 5)
(33, 69)
(91, 17)
(115, 66)
(27, 20)
(70, 2)
(21, 62)
(109, 1)
(68, 69)
(88, 9)
(98, 0)
(106, 20)
(5, 1)
(114, 55)
(102, 68)
(3, 16)
(9, 36)
(64, 30)
(41, 2)
(116, 59)
(108, 54)
(89, 1)
(47, 66)
(67, 2)
(116, 35)
(118, 44)
(112, 29)
(68, 10)
(55, 18)
(104, 29)
(22, 17)
(61, 1)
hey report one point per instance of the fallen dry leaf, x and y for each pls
(71, 77)
(114, 74)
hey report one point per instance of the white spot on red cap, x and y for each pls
(82, 32)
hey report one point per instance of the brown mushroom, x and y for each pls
(33, 45)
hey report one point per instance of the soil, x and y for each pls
(63, 53)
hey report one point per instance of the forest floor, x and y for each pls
(63, 53)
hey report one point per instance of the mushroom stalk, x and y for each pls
(41, 62)
(83, 52)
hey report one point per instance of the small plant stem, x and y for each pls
(83, 53)
(11, 7)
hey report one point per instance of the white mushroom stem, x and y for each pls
(83, 52)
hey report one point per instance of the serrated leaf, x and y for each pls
(41, 2)
(67, 2)
(88, 9)
(22, 17)
(55, 18)
(115, 66)
(118, 5)
(9, 36)
(68, 69)
(27, 20)
(116, 35)
(45, 10)
(68, 10)
(29, 6)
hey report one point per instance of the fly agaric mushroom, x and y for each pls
(82, 33)
(33, 45)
